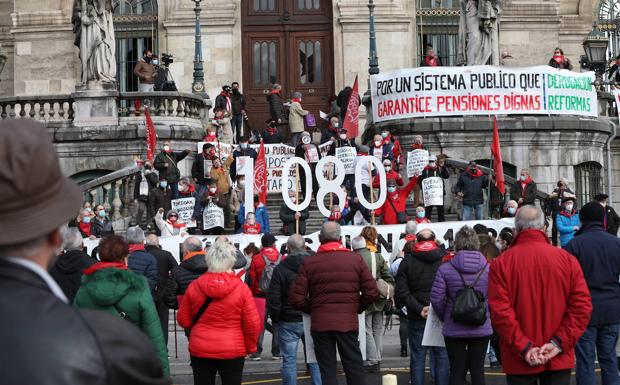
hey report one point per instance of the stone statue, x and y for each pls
(94, 36)
(478, 32)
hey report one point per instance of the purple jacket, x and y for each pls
(448, 282)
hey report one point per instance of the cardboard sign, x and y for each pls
(347, 156)
(416, 161)
(433, 330)
(212, 217)
(185, 208)
(432, 190)
(208, 165)
(241, 161)
(312, 155)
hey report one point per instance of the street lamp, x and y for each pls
(595, 47)
(198, 83)
(373, 60)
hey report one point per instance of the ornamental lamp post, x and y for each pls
(595, 46)
(373, 69)
(198, 83)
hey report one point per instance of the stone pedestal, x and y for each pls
(95, 106)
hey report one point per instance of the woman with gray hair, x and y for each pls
(219, 312)
(466, 343)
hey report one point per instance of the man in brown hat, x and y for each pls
(45, 340)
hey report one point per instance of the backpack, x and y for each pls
(470, 306)
(265, 278)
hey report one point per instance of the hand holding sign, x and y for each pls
(416, 161)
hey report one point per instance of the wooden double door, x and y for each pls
(288, 42)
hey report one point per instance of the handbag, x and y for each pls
(401, 216)
(201, 311)
(385, 289)
(310, 120)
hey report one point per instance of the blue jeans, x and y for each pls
(200, 191)
(289, 334)
(472, 212)
(598, 341)
(237, 126)
(174, 187)
(439, 357)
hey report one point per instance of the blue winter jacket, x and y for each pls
(566, 223)
(262, 217)
(144, 263)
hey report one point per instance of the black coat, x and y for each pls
(277, 297)
(415, 278)
(237, 102)
(159, 198)
(170, 173)
(553, 205)
(182, 276)
(529, 198)
(276, 108)
(269, 138)
(152, 182)
(54, 343)
(341, 143)
(241, 152)
(598, 254)
(613, 220)
(100, 228)
(287, 216)
(143, 263)
(472, 188)
(198, 168)
(438, 171)
(68, 269)
(165, 264)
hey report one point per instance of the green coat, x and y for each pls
(381, 272)
(116, 290)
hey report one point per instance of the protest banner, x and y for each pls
(347, 156)
(416, 161)
(432, 191)
(481, 90)
(212, 217)
(185, 208)
(433, 330)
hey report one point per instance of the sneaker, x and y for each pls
(495, 365)
(276, 358)
(254, 357)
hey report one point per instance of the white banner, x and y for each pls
(432, 191)
(481, 90)
(433, 330)
(416, 161)
(185, 208)
(213, 216)
(347, 156)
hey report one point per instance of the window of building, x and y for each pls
(310, 62)
(265, 63)
(438, 26)
(264, 5)
(587, 181)
(608, 22)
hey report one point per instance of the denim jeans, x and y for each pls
(200, 191)
(374, 337)
(473, 212)
(237, 125)
(174, 187)
(289, 334)
(598, 341)
(418, 356)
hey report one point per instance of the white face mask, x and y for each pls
(499, 245)
(343, 136)
(213, 190)
(569, 208)
(166, 148)
(388, 168)
(241, 183)
(305, 139)
(377, 143)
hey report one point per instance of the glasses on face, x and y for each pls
(557, 53)
(172, 216)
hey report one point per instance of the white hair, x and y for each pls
(358, 242)
(72, 239)
(296, 243)
(135, 235)
(151, 240)
(529, 217)
(221, 257)
(411, 227)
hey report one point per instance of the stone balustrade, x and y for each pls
(161, 104)
(45, 108)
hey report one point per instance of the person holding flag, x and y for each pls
(499, 188)
(351, 113)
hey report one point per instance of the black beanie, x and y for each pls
(268, 240)
(592, 212)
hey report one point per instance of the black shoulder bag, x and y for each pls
(470, 306)
(401, 216)
(201, 311)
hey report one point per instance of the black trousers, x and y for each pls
(554, 230)
(559, 377)
(205, 369)
(163, 312)
(348, 346)
(467, 354)
(441, 217)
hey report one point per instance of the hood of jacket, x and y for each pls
(294, 260)
(71, 262)
(217, 285)
(197, 263)
(107, 286)
(271, 252)
(427, 252)
(468, 261)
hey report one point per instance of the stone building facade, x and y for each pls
(318, 47)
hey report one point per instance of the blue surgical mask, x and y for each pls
(89, 209)
(85, 219)
(421, 214)
(101, 213)
(155, 62)
(384, 134)
(244, 145)
(391, 189)
(163, 184)
(512, 210)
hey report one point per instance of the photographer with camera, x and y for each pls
(146, 72)
(164, 81)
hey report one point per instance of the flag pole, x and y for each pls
(372, 192)
(490, 203)
(297, 195)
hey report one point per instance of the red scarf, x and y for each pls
(272, 130)
(431, 61)
(424, 246)
(559, 59)
(422, 220)
(568, 215)
(105, 265)
(277, 92)
(387, 139)
(416, 146)
(297, 100)
(331, 246)
(251, 229)
(210, 138)
(410, 237)
(477, 174)
(524, 184)
(85, 227)
(335, 217)
(136, 247)
(177, 224)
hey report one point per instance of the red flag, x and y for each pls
(151, 136)
(498, 167)
(351, 119)
(260, 175)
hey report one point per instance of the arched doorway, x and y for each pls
(288, 42)
(135, 29)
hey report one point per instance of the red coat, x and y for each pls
(258, 265)
(537, 292)
(399, 200)
(230, 326)
(333, 286)
(388, 175)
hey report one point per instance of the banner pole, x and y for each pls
(372, 192)
(297, 195)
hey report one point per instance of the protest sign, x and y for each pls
(185, 208)
(416, 161)
(240, 164)
(481, 90)
(212, 217)
(432, 190)
(433, 330)
(347, 156)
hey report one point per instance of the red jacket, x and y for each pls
(333, 286)
(537, 292)
(399, 200)
(388, 175)
(258, 265)
(230, 326)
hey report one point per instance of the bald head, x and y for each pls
(529, 217)
(152, 240)
(296, 243)
(426, 235)
(330, 232)
(191, 244)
